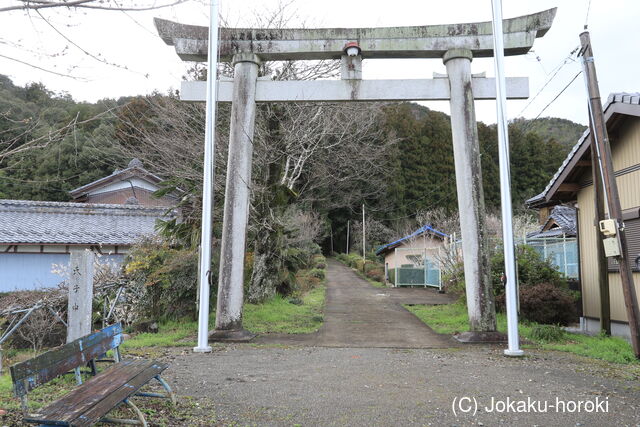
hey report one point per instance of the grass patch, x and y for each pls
(5, 388)
(372, 282)
(453, 318)
(37, 398)
(170, 334)
(274, 315)
(281, 316)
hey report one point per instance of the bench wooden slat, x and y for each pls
(41, 369)
(91, 401)
(68, 407)
(103, 407)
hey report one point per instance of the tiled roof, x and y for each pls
(622, 98)
(134, 169)
(565, 217)
(23, 221)
(418, 232)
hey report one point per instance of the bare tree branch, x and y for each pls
(83, 4)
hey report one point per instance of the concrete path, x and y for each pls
(359, 315)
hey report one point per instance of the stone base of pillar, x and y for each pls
(227, 335)
(476, 337)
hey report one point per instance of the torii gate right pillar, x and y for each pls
(466, 151)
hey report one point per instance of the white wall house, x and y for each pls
(36, 236)
(414, 260)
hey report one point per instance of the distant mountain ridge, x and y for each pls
(563, 131)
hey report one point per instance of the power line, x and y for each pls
(558, 95)
(586, 19)
(555, 73)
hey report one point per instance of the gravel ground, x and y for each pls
(375, 364)
(313, 386)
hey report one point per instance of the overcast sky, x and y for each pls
(117, 54)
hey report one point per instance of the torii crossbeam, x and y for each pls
(456, 44)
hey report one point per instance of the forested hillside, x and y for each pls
(564, 131)
(51, 144)
(424, 177)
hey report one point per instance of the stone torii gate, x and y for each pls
(455, 44)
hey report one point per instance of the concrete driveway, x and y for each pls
(359, 315)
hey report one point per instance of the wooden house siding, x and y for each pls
(626, 155)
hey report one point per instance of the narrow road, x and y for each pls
(358, 315)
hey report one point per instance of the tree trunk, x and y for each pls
(266, 266)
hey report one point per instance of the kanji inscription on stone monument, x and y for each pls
(80, 293)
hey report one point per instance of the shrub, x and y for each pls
(532, 270)
(320, 262)
(353, 259)
(376, 274)
(317, 273)
(546, 303)
(371, 265)
(453, 281)
(167, 278)
(305, 282)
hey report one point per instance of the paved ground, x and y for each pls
(358, 315)
(346, 374)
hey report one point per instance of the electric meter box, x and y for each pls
(611, 246)
(608, 227)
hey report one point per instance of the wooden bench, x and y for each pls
(92, 400)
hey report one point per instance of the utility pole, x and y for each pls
(603, 266)
(348, 221)
(505, 186)
(364, 246)
(603, 148)
(207, 186)
(331, 229)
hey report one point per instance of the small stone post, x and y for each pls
(466, 150)
(236, 202)
(80, 306)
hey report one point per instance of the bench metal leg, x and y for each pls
(170, 392)
(168, 395)
(141, 421)
(78, 375)
(137, 411)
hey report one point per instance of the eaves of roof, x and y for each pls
(626, 104)
(121, 175)
(424, 229)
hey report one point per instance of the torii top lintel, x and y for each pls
(431, 41)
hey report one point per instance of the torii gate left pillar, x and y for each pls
(471, 206)
(236, 201)
(456, 45)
